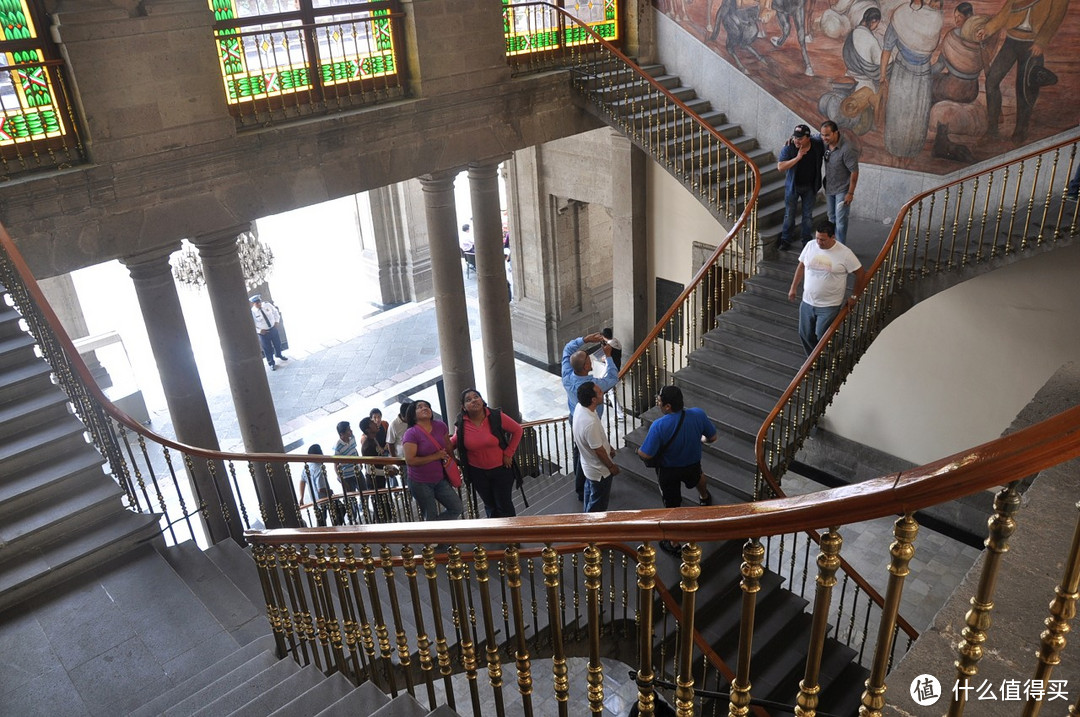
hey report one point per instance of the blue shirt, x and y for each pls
(571, 380)
(685, 450)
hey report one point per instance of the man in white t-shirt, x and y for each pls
(823, 270)
(593, 446)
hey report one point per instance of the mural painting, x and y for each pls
(927, 85)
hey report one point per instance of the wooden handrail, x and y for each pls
(991, 464)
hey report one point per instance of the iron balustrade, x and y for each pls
(38, 127)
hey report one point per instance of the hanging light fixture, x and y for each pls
(256, 261)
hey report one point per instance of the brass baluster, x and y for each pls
(1062, 611)
(423, 644)
(753, 555)
(512, 562)
(690, 571)
(593, 586)
(828, 562)
(455, 568)
(382, 635)
(492, 646)
(977, 620)
(441, 649)
(404, 654)
(555, 628)
(902, 550)
(646, 582)
(1030, 203)
(352, 665)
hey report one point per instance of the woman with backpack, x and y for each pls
(486, 441)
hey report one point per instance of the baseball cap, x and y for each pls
(801, 131)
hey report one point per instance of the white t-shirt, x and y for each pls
(589, 435)
(825, 273)
(395, 433)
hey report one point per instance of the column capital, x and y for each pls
(221, 242)
(151, 263)
(440, 181)
(488, 165)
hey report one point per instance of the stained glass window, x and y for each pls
(534, 27)
(32, 106)
(307, 49)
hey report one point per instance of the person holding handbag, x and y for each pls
(486, 441)
(673, 447)
(427, 453)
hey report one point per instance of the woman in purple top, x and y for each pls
(427, 445)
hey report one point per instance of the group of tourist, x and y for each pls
(481, 450)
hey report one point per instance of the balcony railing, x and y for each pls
(538, 34)
(38, 128)
(287, 65)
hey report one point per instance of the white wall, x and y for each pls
(954, 371)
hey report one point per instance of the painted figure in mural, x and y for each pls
(862, 51)
(792, 13)
(843, 16)
(961, 58)
(906, 80)
(1029, 27)
(739, 21)
(852, 101)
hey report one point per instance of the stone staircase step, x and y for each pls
(225, 682)
(364, 700)
(635, 104)
(46, 480)
(239, 566)
(33, 410)
(770, 380)
(329, 691)
(401, 706)
(21, 451)
(753, 329)
(783, 313)
(35, 571)
(24, 379)
(297, 683)
(704, 383)
(656, 115)
(16, 349)
(9, 319)
(784, 360)
(250, 690)
(48, 521)
(228, 604)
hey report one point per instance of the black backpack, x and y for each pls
(495, 423)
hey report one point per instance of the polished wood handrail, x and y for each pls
(1044, 445)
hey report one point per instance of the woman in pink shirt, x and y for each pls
(486, 452)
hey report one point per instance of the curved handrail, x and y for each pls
(849, 307)
(995, 463)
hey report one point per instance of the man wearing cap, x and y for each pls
(800, 158)
(267, 318)
(824, 265)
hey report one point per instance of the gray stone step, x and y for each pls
(327, 692)
(401, 706)
(46, 480)
(21, 451)
(24, 379)
(229, 605)
(16, 349)
(192, 702)
(33, 410)
(364, 700)
(726, 368)
(783, 313)
(239, 566)
(785, 359)
(754, 329)
(250, 690)
(297, 683)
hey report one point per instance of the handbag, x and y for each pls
(654, 461)
(450, 468)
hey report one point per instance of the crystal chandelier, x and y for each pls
(256, 261)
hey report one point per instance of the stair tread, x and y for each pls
(401, 706)
(67, 507)
(190, 703)
(298, 682)
(47, 435)
(42, 475)
(36, 369)
(239, 567)
(225, 601)
(16, 412)
(736, 393)
(327, 692)
(250, 690)
(365, 699)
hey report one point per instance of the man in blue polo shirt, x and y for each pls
(679, 447)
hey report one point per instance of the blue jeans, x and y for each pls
(597, 493)
(791, 201)
(814, 321)
(838, 214)
(427, 494)
(271, 344)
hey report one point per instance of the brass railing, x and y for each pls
(284, 66)
(538, 33)
(518, 594)
(980, 219)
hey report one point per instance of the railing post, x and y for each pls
(902, 550)
(441, 650)
(690, 570)
(593, 573)
(1062, 612)
(828, 562)
(646, 581)
(521, 655)
(491, 648)
(456, 570)
(977, 620)
(752, 570)
(558, 658)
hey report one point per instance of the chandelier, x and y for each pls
(256, 261)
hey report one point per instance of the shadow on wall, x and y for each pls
(963, 81)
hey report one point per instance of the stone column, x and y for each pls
(400, 245)
(455, 344)
(496, 333)
(630, 258)
(171, 344)
(64, 300)
(245, 368)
